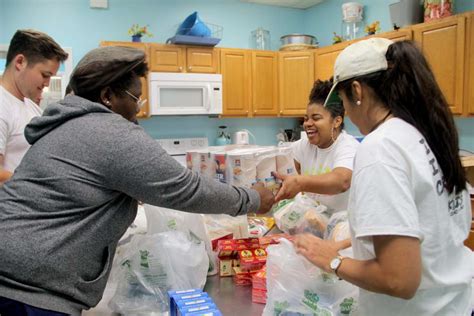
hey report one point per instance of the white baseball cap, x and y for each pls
(361, 58)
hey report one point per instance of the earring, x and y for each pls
(358, 102)
(107, 102)
(332, 134)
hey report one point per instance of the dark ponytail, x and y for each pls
(409, 89)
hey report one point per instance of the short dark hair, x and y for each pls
(319, 94)
(409, 90)
(36, 46)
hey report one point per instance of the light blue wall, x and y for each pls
(74, 24)
(325, 18)
(264, 129)
(466, 132)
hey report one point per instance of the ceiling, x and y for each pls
(298, 4)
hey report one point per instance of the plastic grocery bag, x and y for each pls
(297, 287)
(338, 229)
(160, 219)
(301, 215)
(153, 264)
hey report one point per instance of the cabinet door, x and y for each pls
(201, 60)
(235, 69)
(442, 43)
(167, 58)
(264, 83)
(469, 82)
(145, 110)
(325, 58)
(296, 74)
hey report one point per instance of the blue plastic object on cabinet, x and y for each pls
(193, 25)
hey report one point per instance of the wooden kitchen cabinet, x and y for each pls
(264, 83)
(176, 58)
(249, 82)
(325, 57)
(443, 44)
(145, 110)
(236, 84)
(296, 78)
(469, 73)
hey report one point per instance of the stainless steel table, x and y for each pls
(231, 299)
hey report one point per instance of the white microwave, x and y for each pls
(185, 93)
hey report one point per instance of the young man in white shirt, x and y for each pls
(32, 59)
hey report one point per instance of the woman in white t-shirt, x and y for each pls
(324, 160)
(409, 210)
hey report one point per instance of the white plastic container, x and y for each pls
(352, 12)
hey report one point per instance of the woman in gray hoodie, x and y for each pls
(76, 190)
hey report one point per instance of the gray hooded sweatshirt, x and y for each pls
(74, 195)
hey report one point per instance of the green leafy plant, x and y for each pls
(137, 30)
(336, 38)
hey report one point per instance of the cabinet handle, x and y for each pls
(247, 112)
(255, 111)
(180, 68)
(189, 68)
(281, 112)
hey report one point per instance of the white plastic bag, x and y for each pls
(153, 264)
(301, 215)
(338, 229)
(160, 219)
(297, 287)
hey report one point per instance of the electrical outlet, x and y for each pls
(100, 4)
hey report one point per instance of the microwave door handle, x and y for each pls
(208, 97)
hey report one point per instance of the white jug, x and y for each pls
(240, 138)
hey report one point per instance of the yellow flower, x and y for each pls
(137, 30)
(372, 28)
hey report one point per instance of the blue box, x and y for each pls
(199, 308)
(214, 312)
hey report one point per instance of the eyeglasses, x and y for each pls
(140, 102)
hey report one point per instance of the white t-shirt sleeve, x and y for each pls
(298, 152)
(3, 135)
(344, 156)
(382, 203)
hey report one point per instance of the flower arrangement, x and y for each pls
(336, 38)
(137, 30)
(372, 28)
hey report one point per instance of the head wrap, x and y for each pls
(102, 66)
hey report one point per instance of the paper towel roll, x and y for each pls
(285, 163)
(207, 164)
(192, 160)
(266, 164)
(220, 164)
(241, 168)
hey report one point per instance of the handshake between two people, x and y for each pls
(287, 190)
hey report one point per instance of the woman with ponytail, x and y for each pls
(409, 209)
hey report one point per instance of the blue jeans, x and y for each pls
(10, 307)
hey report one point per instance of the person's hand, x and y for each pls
(266, 198)
(318, 251)
(290, 186)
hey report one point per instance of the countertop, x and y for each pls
(231, 299)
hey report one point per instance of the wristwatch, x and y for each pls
(336, 263)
